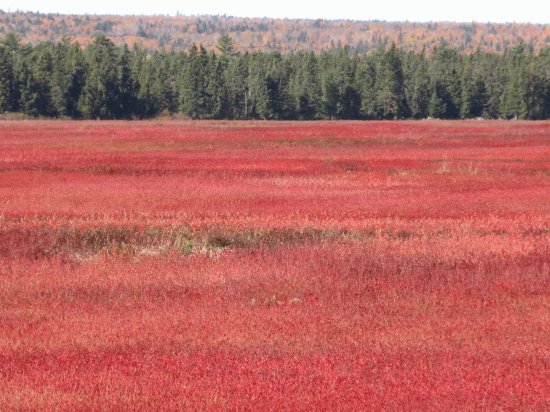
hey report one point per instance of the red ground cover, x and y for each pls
(298, 266)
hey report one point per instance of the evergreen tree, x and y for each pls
(147, 105)
(8, 85)
(536, 90)
(226, 46)
(36, 74)
(350, 107)
(494, 76)
(474, 93)
(445, 74)
(331, 96)
(366, 80)
(266, 97)
(390, 97)
(237, 77)
(514, 104)
(126, 84)
(544, 67)
(304, 87)
(193, 92)
(68, 77)
(417, 85)
(101, 94)
(437, 106)
(218, 89)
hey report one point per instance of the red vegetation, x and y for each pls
(227, 265)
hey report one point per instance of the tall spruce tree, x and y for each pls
(445, 75)
(193, 91)
(474, 93)
(126, 84)
(101, 94)
(366, 81)
(68, 78)
(8, 85)
(437, 106)
(304, 86)
(513, 103)
(390, 96)
(417, 84)
(36, 74)
(237, 88)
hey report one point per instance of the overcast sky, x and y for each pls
(534, 11)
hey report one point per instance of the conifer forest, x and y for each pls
(105, 81)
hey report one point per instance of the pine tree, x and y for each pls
(147, 105)
(101, 94)
(544, 66)
(8, 96)
(35, 77)
(236, 81)
(126, 84)
(390, 97)
(474, 93)
(366, 80)
(68, 77)
(437, 106)
(218, 89)
(445, 75)
(226, 46)
(304, 87)
(514, 105)
(416, 84)
(493, 73)
(330, 95)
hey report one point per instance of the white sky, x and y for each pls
(533, 11)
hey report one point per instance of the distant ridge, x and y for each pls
(266, 34)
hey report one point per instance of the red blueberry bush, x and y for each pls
(295, 266)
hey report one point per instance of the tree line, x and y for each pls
(109, 82)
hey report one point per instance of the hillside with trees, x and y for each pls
(177, 33)
(106, 81)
